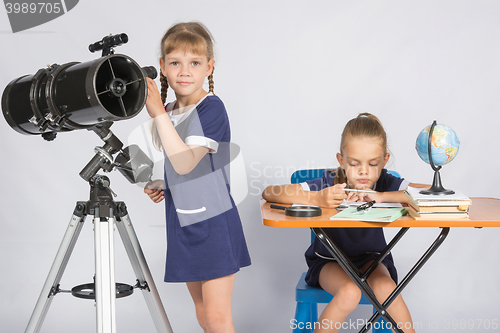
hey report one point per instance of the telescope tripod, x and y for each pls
(107, 213)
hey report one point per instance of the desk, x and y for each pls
(484, 212)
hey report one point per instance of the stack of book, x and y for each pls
(425, 206)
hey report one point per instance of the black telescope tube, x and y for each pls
(76, 95)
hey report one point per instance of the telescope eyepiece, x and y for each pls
(107, 43)
(150, 72)
(118, 39)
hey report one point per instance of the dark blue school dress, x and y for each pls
(204, 233)
(360, 244)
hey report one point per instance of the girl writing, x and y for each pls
(205, 241)
(362, 157)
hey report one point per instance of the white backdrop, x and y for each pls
(291, 75)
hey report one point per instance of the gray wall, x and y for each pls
(291, 75)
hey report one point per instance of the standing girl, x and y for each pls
(362, 157)
(205, 241)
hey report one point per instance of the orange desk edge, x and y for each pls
(484, 212)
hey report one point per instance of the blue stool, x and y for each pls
(307, 297)
(306, 312)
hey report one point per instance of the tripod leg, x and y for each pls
(51, 285)
(141, 270)
(105, 287)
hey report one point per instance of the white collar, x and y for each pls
(179, 118)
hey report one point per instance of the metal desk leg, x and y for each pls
(354, 274)
(384, 253)
(420, 263)
(360, 280)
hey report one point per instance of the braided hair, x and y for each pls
(188, 37)
(191, 37)
(211, 81)
(164, 87)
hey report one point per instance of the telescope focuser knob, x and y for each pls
(49, 136)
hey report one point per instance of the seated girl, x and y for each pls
(362, 158)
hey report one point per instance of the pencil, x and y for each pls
(354, 190)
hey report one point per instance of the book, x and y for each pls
(373, 215)
(439, 209)
(418, 200)
(436, 215)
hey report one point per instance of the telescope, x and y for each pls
(90, 95)
(75, 95)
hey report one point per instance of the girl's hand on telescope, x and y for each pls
(154, 104)
(154, 190)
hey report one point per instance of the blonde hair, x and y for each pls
(364, 125)
(191, 37)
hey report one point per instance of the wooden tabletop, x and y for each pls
(484, 212)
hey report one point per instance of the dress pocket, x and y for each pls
(193, 234)
(197, 200)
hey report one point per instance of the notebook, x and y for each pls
(373, 215)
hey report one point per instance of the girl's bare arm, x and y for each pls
(293, 193)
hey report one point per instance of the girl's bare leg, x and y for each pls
(346, 294)
(212, 299)
(197, 296)
(334, 280)
(383, 285)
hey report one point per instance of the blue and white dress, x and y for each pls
(204, 233)
(360, 244)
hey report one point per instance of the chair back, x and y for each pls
(301, 176)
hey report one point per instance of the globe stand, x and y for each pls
(437, 187)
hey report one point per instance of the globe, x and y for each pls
(444, 144)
